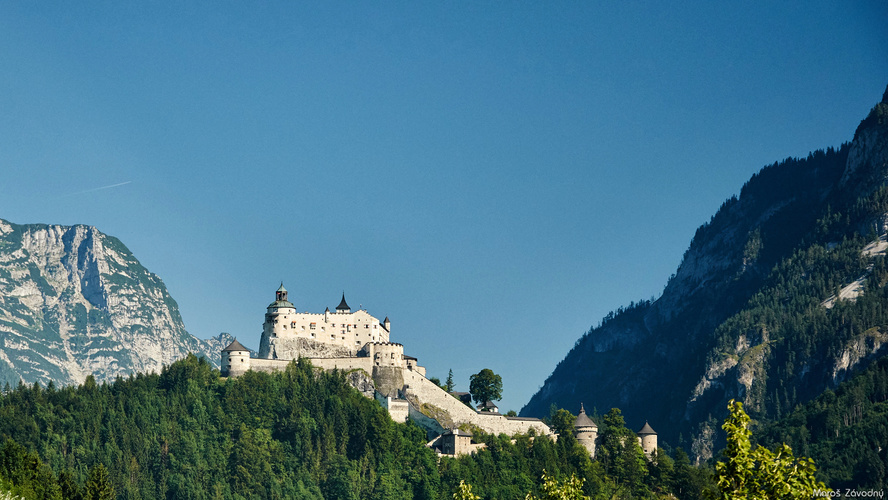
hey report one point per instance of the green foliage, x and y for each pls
(448, 385)
(486, 386)
(552, 489)
(301, 433)
(844, 431)
(98, 486)
(561, 422)
(187, 433)
(464, 492)
(760, 473)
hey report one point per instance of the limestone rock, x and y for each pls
(75, 302)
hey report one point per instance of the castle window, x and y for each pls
(366, 326)
(348, 327)
(334, 325)
(323, 329)
(312, 326)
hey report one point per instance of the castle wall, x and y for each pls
(426, 392)
(346, 364)
(384, 354)
(268, 365)
(398, 409)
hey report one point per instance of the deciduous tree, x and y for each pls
(486, 386)
(760, 473)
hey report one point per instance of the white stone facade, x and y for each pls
(343, 330)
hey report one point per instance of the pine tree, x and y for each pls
(98, 486)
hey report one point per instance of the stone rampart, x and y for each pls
(268, 365)
(345, 364)
(425, 395)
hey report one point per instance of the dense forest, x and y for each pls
(301, 433)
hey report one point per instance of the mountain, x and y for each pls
(751, 311)
(75, 302)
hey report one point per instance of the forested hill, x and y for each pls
(302, 433)
(747, 313)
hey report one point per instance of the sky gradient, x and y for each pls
(492, 177)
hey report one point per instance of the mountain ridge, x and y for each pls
(730, 318)
(76, 302)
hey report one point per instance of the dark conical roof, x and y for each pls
(583, 420)
(342, 304)
(281, 288)
(235, 346)
(646, 430)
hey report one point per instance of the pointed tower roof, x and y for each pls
(343, 305)
(646, 430)
(583, 420)
(235, 346)
(280, 298)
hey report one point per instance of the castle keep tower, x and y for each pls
(586, 431)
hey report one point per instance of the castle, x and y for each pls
(359, 344)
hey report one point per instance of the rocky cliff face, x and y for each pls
(75, 302)
(743, 316)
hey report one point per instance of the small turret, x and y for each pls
(647, 438)
(586, 431)
(235, 359)
(343, 305)
(387, 324)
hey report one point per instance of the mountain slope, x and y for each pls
(744, 315)
(75, 302)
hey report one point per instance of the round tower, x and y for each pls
(586, 431)
(278, 316)
(235, 359)
(647, 438)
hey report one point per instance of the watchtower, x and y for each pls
(586, 431)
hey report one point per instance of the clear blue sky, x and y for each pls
(494, 177)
